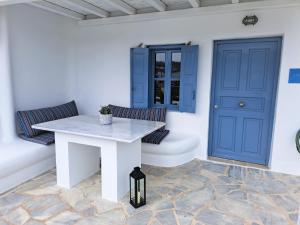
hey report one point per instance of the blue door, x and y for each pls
(244, 86)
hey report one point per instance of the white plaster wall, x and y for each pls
(40, 51)
(7, 120)
(101, 62)
(53, 61)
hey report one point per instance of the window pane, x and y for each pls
(176, 65)
(159, 92)
(175, 92)
(160, 65)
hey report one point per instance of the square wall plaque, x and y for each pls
(294, 77)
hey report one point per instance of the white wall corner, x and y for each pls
(7, 110)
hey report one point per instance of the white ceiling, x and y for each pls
(93, 9)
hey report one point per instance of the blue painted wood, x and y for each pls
(294, 77)
(142, 80)
(168, 79)
(244, 85)
(188, 78)
(166, 47)
(139, 77)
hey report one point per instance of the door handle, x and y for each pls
(242, 104)
(194, 95)
(216, 106)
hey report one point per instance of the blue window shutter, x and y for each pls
(188, 78)
(139, 77)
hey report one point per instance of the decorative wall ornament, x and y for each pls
(250, 20)
(294, 76)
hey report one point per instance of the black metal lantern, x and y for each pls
(137, 182)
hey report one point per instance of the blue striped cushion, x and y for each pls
(154, 114)
(155, 137)
(28, 118)
(46, 138)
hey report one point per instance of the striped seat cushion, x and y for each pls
(155, 114)
(28, 118)
(155, 137)
(46, 138)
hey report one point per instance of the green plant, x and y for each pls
(105, 110)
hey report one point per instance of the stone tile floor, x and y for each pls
(193, 194)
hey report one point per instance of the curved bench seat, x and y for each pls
(176, 149)
(21, 161)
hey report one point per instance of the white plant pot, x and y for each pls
(105, 119)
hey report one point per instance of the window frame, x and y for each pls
(168, 50)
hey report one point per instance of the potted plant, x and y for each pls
(105, 115)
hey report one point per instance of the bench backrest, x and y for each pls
(28, 118)
(152, 114)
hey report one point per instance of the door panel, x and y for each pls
(226, 132)
(253, 104)
(257, 72)
(231, 70)
(243, 98)
(252, 129)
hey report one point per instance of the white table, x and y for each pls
(78, 141)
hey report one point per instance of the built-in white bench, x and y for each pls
(22, 160)
(34, 154)
(175, 149)
(163, 147)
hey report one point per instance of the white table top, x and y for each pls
(122, 130)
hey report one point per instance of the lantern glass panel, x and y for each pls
(140, 191)
(132, 187)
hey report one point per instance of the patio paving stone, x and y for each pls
(286, 202)
(216, 168)
(184, 218)
(66, 218)
(17, 216)
(197, 193)
(237, 194)
(194, 200)
(44, 207)
(273, 218)
(166, 217)
(33, 222)
(142, 218)
(10, 201)
(294, 217)
(211, 217)
(2, 222)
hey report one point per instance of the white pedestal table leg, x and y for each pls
(117, 161)
(77, 158)
(74, 162)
